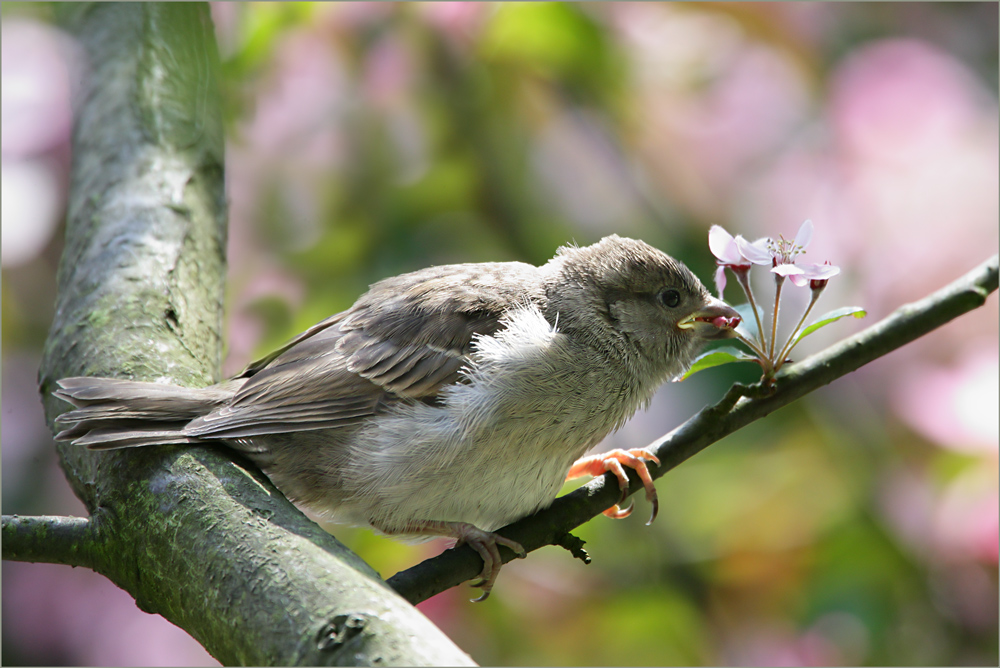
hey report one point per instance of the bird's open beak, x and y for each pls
(716, 320)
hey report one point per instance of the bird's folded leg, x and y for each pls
(483, 542)
(613, 460)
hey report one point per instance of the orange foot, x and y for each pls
(483, 542)
(612, 460)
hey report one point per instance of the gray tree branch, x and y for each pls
(48, 539)
(189, 533)
(741, 406)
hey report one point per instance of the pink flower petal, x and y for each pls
(720, 280)
(804, 235)
(723, 246)
(798, 280)
(821, 272)
(756, 251)
(789, 270)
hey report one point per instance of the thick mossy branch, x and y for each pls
(189, 533)
(739, 407)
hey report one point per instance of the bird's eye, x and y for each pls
(669, 297)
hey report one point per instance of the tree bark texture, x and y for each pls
(193, 535)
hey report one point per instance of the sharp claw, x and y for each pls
(612, 462)
(486, 586)
(485, 544)
(486, 583)
(616, 512)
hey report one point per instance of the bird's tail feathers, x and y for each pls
(113, 413)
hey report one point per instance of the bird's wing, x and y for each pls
(403, 340)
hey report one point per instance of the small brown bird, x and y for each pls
(449, 401)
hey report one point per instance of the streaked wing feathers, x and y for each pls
(403, 340)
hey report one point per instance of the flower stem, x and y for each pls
(744, 280)
(778, 282)
(752, 345)
(791, 343)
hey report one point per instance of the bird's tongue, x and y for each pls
(722, 322)
(717, 320)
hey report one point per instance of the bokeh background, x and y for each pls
(858, 526)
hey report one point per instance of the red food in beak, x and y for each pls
(717, 320)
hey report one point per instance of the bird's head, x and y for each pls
(637, 301)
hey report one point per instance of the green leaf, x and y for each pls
(717, 357)
(832, 316)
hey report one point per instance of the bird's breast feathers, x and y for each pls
(531, 403)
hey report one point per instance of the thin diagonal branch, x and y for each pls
(741, 406)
